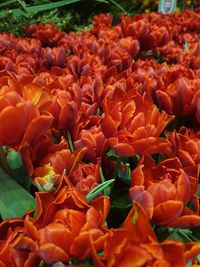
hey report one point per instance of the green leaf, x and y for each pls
(40, 8)
(14, 159)
(196, 233)
(123, 176)
(134, 161)
(7, 3)
(186, 46)
(112, 154)
(69, 139)
(98, 189)
(157, 157)
(115, 3)
(107, 190)
(183, 235)
(198, 192)
(82, 263)
(189, 264)
(22, 5)
(14, 200)
(162, 232)
(120, 199)
(19, 172)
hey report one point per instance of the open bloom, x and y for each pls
(20, 120)
(166, 189)
(179, 94)
(94, 141)
(185, 146)
(65, 226)
(135, 244)
(133, 125)
(86, 176)
(64, 107)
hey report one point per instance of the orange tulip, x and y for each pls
(64, 108)
(183, 88)
(86, 177)
(94, 141)
(65, 223)
(49, 175)
(186, 148)
(165, 189)
(54, 241)
(38, 153)
(46, 33)
(54, 56)
(27, 45)
(133, 126)
(10, 256)
(28, 123)
(132, 246)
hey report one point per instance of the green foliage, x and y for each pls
(120, 199)
(15, 200)
(179, 234)
(11, 23)
(67, 14)
(98, 189)
(17, 169)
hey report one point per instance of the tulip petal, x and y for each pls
(51, 253)
(138, 223)
(13, 122)
(162, 211)
(109, 127)
(187, 221)
(137, 193)
(123, 149)
(37, 127)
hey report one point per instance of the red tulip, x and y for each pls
(185, 148)
(46, 33)
(86, 177)
(94, 141)
(54, 56)
(28, 123)
(165, 189)
(133, 127)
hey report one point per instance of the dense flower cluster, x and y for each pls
(114, 102)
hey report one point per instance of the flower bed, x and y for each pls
(100, 143)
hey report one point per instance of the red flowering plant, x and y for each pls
(100, 144)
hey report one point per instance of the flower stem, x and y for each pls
(69, 139)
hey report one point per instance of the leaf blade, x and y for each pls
(14, 200)
(98, 189)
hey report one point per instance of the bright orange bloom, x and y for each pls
(185, 147)
(86, 177)
(35, 93)
(178, 92)
(49, 175)
(136, 245)
(133, 125)
(11, 231)
(40, 149)
(94, 141)
(22, 118)
(149, 34)
(64, 225)
(54, 56)
(64, 108)
(166, 189)
(48, 34)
